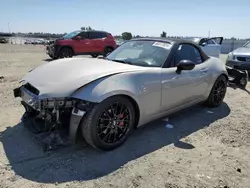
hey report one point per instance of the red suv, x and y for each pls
(92, 43)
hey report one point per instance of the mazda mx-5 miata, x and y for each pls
(103, 100)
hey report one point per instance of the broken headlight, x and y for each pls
(60, 103)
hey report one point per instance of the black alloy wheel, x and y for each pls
(218, 92)
(113, 123)
(109, 123)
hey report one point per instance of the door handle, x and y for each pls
(204, 70)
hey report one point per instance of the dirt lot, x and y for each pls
(206, 147)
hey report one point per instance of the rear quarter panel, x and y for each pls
(216, 68)
(144, 87)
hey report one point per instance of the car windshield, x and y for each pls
(141, 53)
(247, 45)
(71, 35)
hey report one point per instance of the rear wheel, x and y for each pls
(107, 50)
(109, 123)
(94, 55)
(65, 53)
(218, 92)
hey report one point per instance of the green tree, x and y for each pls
(164, 34)
(83, 28)
(126, 36)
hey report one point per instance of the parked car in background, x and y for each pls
(240, 58)
(92, 43)
(211, 46)
(3, 40)
(27, 42)
(105, 99)
(119, 42)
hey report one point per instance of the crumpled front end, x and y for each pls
(56, 120)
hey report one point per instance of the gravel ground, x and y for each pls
(205, 148)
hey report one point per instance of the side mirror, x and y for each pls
(78, 38)
(184, 65)
(203, 44)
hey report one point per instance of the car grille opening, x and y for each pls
(242, 67)
(31, 88)
(243, 58)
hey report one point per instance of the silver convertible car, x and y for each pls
(104, 100)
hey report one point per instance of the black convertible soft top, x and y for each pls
(176, 42)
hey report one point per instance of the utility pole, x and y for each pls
(9, 27)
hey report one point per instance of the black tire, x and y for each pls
(243, 82)
(91, 126)
(52, 57)
(94, 55)
(65, 53)
(107, 50)
(218, 92)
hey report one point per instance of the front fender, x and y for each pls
(105, 87)
(144, 87)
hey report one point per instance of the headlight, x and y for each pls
(51, 103)
(231, 56)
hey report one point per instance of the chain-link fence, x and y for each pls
(229, 45)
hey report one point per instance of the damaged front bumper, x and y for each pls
(237, 76)
(52, 116)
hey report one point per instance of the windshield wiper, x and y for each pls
(121, 61)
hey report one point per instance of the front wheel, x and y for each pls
(65, 53)
(218, 92)
(109, 123)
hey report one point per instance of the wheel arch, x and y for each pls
(75, 128)
(66, 46)
(109, 46)
(124, 94)
(225, 75)
(135, 105)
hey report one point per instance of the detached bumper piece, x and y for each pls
(238, 77)
(48, 140)
(17, 92)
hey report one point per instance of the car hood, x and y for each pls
(242, 51)
(60, 78)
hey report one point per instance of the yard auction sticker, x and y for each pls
(162, 45)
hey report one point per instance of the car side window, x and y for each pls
(84, 35)
(187, 52)
(103, 35)
(97, 35)
(210, 41)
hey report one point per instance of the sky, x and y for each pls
(227, 18)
